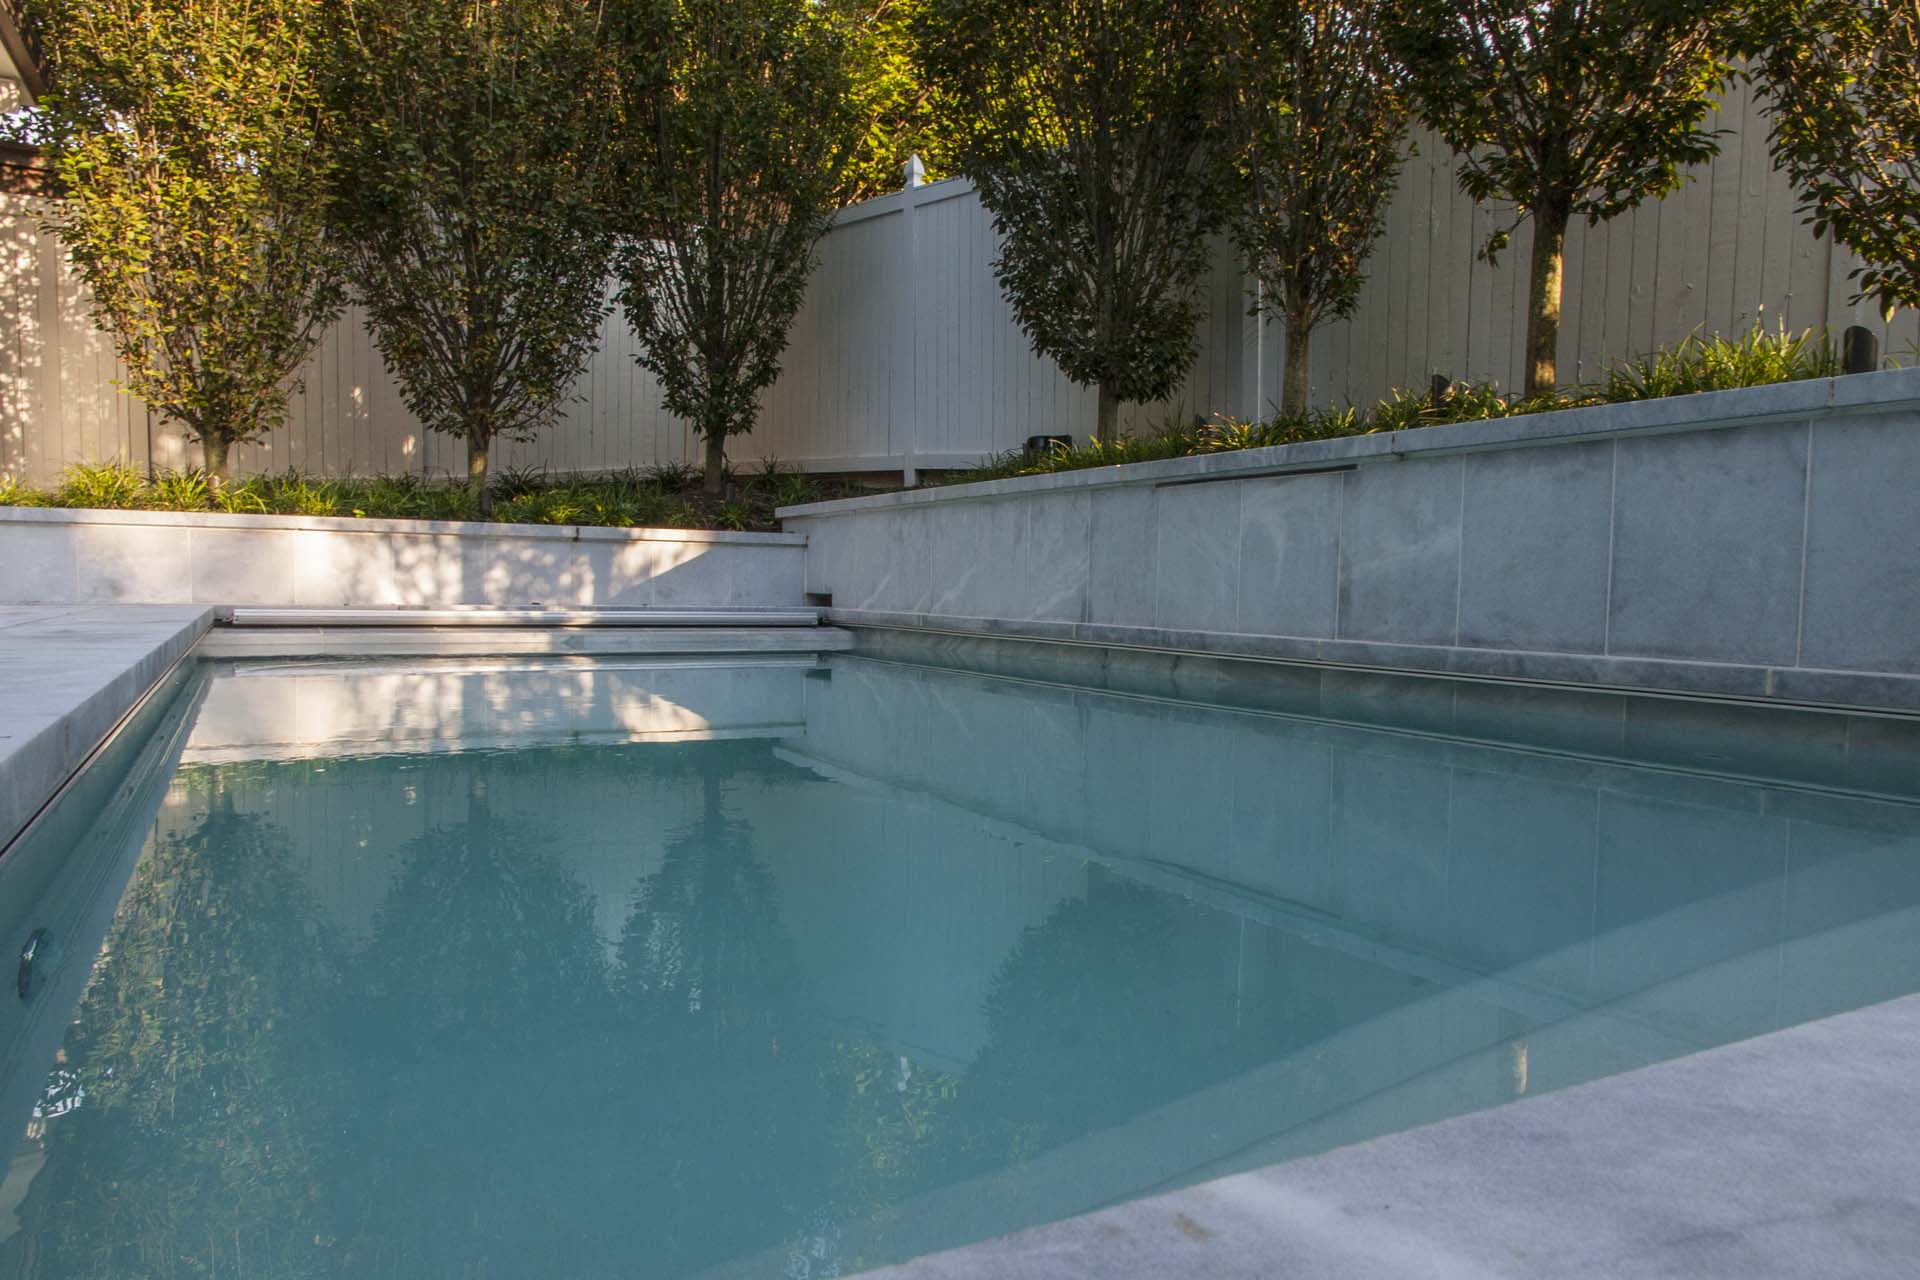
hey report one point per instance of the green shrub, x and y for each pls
(15, 494)
(1756, 358)
(187, 490)
(110, 485)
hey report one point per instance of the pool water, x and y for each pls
(788, 969)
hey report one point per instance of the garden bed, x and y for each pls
(657, 497)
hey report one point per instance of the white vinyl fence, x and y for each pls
(905, 356)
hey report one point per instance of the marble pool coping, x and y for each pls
(68, 675)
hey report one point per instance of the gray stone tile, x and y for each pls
(1120, 581)
(768, 576)
(975, 559)
(253, 566)
(1290, 555)
(1863, 545)
(1058, 534)
(1400, 552)
(1197, 556)
(517, 571)
(127, 564)
(36, 564)
(1706, 558)
(1533, 558)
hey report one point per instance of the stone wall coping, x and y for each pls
(478, 529)
(1887, 390)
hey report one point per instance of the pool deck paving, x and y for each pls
(1795, 1154)
(68, 673)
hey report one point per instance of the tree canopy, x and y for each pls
(475, 139)
(190, 139)
(1842, 83)
(1318, 115)
(729, 181)
(1086, 125)
(1565, 108)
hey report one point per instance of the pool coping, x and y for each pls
(1790, 1154)
(69, 674)
(1885, 391)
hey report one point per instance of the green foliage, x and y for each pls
(1756, 358)
(1565, 108)
(190, 139)
(1842, 81)
(15, 494)
(1318, 112)
(1085, 125)
(665, 497)
(893, 103)
(732, 175)
(110, 485)
(1721, 364)
(475, 138)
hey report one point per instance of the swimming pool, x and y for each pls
(790, 968)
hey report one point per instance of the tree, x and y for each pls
(1318, 112)
(188, 137)
(893, 102)
(730, 185)
(1842, 80)
(1085, 125)
(1565, 108)
(472, 206)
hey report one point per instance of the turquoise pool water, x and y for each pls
(784, 969)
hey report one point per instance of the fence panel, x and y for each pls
(905, 355)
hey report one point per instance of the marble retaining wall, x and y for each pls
(62, 557)
(1759, 543)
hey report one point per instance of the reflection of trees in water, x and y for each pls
(473, 1042)
(201, 1046)
(720, 1069)
(483, 1089)
(1118, 1002)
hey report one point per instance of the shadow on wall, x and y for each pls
(58, 557)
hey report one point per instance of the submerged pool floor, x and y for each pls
(784, 969)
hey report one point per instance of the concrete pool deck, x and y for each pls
(1794, 1154)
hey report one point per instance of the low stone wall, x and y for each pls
(60, 556)
(1762, 543)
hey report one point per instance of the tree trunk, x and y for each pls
(215, 448)
(477, 477)
(1106, 426)
(715, 483)
(1543, 295)
(1293, 380)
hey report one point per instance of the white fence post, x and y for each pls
(905, 394)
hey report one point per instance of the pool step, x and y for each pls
(366, 641)
(253, 616)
